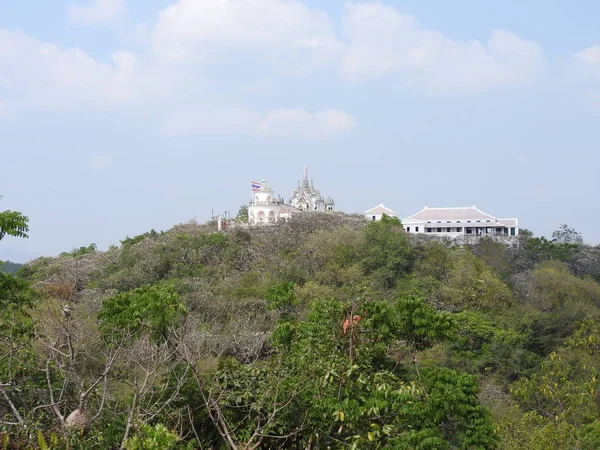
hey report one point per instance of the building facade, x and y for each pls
(266, 207)
(460, 222)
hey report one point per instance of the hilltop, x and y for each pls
(325, 331)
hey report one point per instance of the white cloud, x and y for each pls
(298, 123)
(590, 55)
(383, 41)
(50, 76)
(203, 120)
(282, 123)
(99, 162)
(97, 12)
(183, 49)
(201, 30)
(584, 69)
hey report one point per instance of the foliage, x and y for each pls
(139, 238)
(554, 288)
(484, 346)
(13, 223)
(327, 386)
(148, 437)
(567, 235)
(81, 251)
(563, 395)
(472, 284)
(242, 214)
(150, 309)
(386, 253)
(329, 331)
(10, 267)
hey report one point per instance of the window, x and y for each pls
(469, 230)
(459, 230)
(374, 218)
(479, 221)
(488, 220)
(417, 229)
(439, 221)
(448, 221)
(429, 221)
(458, 221)
(468, 221)
(439, 230)
(512, 231)
(498, 229)
(428, 230)
(448, 230)
(408, 229)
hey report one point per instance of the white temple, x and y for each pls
(266, 207)
(306, 198)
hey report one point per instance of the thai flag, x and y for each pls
(256, 186)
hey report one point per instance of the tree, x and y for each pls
(567, 235)
(13, 223)
(561, 399)
(148, 309)
(472, 284)
(386, 253)
(242, 214)
(329, 386)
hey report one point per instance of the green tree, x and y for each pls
(562, 397)
(148, 437)
(386, 253)
(472, 284)
(152, 310)
(242, 214)
(13, 223)
(328, 385)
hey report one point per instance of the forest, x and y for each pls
(327, 332)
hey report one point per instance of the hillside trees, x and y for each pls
(328, 331)
(327, 387)
(386, 254)
(472, 284)
(561, 401)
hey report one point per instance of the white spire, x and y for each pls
(305, 173)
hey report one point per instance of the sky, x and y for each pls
(121, 116)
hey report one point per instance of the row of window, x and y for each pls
(468, 230)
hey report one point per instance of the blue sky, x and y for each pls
(119, 116)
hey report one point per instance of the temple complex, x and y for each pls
(306, 198)
(266, 207)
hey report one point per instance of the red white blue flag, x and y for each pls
(256, 186)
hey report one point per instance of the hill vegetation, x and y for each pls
(9, 267)
(325, 332)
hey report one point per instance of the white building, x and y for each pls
(459, 222)
(377, 212)
(306, 198)
(266, 207)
